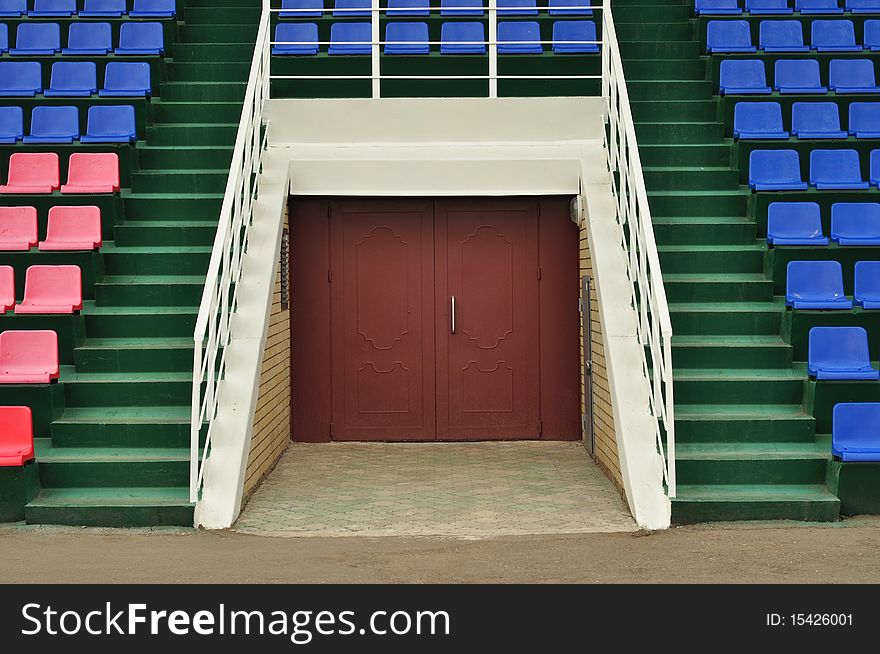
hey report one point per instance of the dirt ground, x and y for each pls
(845, 552)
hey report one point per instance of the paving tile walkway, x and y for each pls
(464, 490)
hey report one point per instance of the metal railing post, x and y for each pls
(493, 48)
(374, 22)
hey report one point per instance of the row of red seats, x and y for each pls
(16, 436)
(68, 228)
(28, 357)
(47, 289)
(39, 172)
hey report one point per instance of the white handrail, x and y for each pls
(220, 296)
(637, 239)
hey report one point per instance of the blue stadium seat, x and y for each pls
(782, 36)
(4, 38)
(86, 38)
(758, 120)
(51, 124)
(875, 167)
(517, 8)
(864, 120)
(53, 8)
(351, 8)
(815, 285)
(768, 7)
(37, 39)
(310, 8)
(872, 35)
(836, 170)
(527, 31)
(305, 34)
(461, 7)
(729, 36)
(473, 32)
(407, 39)
(71, 79)
(125, 79)
(795, 223)
(840, 353)
(798, 76)
(566, 33)
(852, 76)
(110, 124)
(863, 6)
(20, 78)
(13, 8)
(408, 8)
(141, 38)
(816, 120)
(834, 36)
(716, 7)
(818, 7)
(153, 9)
(867, 284)
(103, 8)
(743, 77)
(855, 223)
(575, 8)
(855, 431)
(11, 124)
(359, 36)
(775, 170)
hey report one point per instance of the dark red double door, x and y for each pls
(430, 323)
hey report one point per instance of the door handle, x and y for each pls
(452, 313)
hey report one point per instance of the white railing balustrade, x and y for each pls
(637, 239)
(220, 296)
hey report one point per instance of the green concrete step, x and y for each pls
(712, 154)
(210, 16)
(655, 32)
(124, 506)
(664, 89)
(162, 206)
(716, 502)
(711, 258)
(743, 423)
(197, 112)
(164, 233)
(673, 110)
(719, 287)
(170, 260)
(214, 52)
(659, 49)
(698, 203)
(704, 230)
(150, 290)
(138, 321)
(123, 426)
(203, 91)
(738, 386)
(651, 69)
(732, 318)
(730, 351)
(109, 389)
(679, 178)
(752, 463)
(168, 156)
(146, 354)
(186, 134)
(180, 71)
(180, 181)
(679, 132)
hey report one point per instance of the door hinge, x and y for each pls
(540, 428)
(539, 272)
(331, 431)
(329, 276)
(588, 367)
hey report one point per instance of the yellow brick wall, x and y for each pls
(605, 451)
(271, 433)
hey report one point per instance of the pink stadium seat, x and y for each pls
(32, 172)
(16, 436)
(18, 228)
(7, 290)
(51, 289)
(92, 173)
(73, 228)
(28, 357)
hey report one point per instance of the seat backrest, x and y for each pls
(526, 30)
(359, 33)
(806, 279)
(867, 280)
(570, 8)
(127, 75)
(53, 286)
(93, 169)
(141, 35)
(38, 36)
(839, 347)
(801, 73)
(815, 117)
(757, 117)
(7, 289)
(4, 37)
(779, 33)
(461, 8)
(24, 76)
(409, 33)
(856, 425)
(104, 7)
(775, 166)
(29, 352)
(17, 435)
(565, 31)
(34, 169)
(13, 7)
(353, 7)
(517, 7)
(851, 72)
(743, 74)
(155, 7)
(83, 35)
(111, 120)
(855, 219)
(74, 224)
(753, 5)
(872, 32)
(74, 76)
(49, 120)
(18, 225)
(833, 32)
(314, 6)
(794, 219)
(835, 165)
(864, 117)
(54, 6)
(814, 5)
(11, 122)
(728, 34)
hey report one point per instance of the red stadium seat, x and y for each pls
(92, 173)
(16, 436)
(7, 289)
(32, 172)
(73, 228)
(51, 289)
(28, 357)
(18, 228)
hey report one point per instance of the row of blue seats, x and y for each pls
(800, 223)
(788, 36)
(769, 7)
(780, 170)
(32, 39)
(344, 8)
(75, 79)
(521, 37)
(809, 120)
(798, 76)
(840, 353)
(819, 285)
(54, 124)
(90, 8)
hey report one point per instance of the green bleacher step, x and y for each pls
(149, 290)
(674, 110)
(167, 156)
(711, 258)
(659, 49)
(698, 203)
(180, 181)
(650, 69)
(626, 14)
(719, 287)
(197, 112)
(187, 134)
(752, 463)
(244, 18)
(123, 426)
(199, 29)
(132, 322)
(215, 52)
(730, 351)
(164, 232)
(111, 389)
(735, 318)
(737, 386)
(162, 206)
(803, 502)
(655, 32)
(191, 71)
(683, 178)
(184, 260)
(145, 354)
(669, 90)
(704, 230)
(203, 91)
(680, 132)
(743, 423)
(685, 155)
(112, 507)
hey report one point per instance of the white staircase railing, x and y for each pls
(637, 239)
(220, 296)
